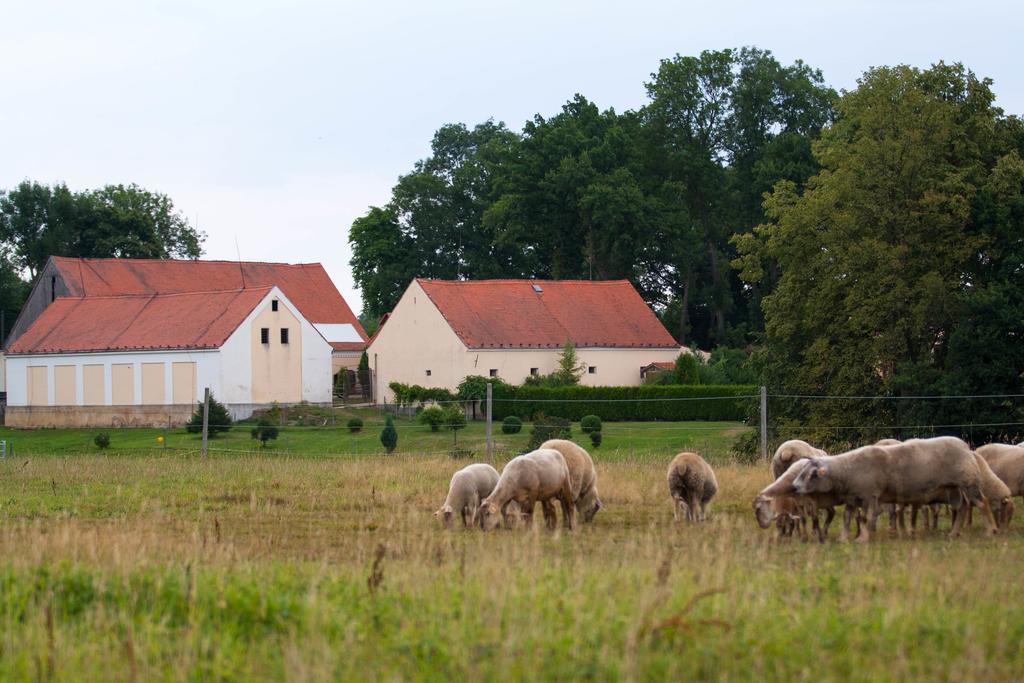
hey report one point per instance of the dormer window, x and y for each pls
(273, 305)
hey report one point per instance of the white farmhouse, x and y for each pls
(441, 331)
(130, 342)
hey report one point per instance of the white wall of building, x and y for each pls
(207, 371)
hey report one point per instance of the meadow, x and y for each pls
(151, 564)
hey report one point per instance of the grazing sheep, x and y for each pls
(692, 484)
(917, 471)
(786, 511)
(582, 475)
(1007, 463)
(468, 487)
(528, 479)
(789, 452)
(996, 492)
(810, 503)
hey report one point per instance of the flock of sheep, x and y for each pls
(889, 476)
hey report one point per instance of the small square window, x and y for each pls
(428, 373)
(534, 371)
(494, 372)
(592, 369)
(284, 335)
(264, 335)
(273, 304)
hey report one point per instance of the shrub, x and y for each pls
(220, 418)
(264, 431)
(461, 453)
(590, 423)
(686, 370)
(102, 440)
(355, 425)
(433, 416)
(595, 439)
(388, 435)
(455, 419)
(548, 427)
(746, 446)
(612, 404)
(511, 425)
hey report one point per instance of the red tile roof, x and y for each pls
(194, 320)
(511, 314)
(306, 285)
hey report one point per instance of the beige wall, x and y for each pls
(64, 385)
(97, 416)
(93, 385)
(38, 387)
(183, 383)
(276, 367)
(153, 384)
(122, 384)
(417, 338)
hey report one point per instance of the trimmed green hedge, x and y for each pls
(613, 404)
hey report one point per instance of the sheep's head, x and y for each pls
(1005, 512)
(763, 511)
(490, 515)
(445, 514)
(589, 505)
(815, 477)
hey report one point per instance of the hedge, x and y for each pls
(703, 402)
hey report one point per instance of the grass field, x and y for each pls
(252, 566)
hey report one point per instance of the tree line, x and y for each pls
(861, 243)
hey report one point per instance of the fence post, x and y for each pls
(206, 418)
(764, 423)
(490, 438)
(167, 431)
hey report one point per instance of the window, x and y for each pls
(494, 372)
(273, 304)
(534, 371)
(264, 335)
(428, 373)
(592, 369)
(53, 288)
(284, 335)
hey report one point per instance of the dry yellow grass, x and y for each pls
(256, 567)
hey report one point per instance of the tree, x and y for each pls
(686, 370)
(570, 367)
(38, 221)
(219, 419)
(454, 419)
(889, 256)
(388, 435)
(264, 431)
(363, 373)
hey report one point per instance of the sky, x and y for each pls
(273, 125)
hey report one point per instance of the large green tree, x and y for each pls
(900, 260)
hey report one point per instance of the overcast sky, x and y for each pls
(277, 124)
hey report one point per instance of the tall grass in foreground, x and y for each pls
(261, 568)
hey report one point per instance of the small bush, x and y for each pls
(548, 427)
(590, 423)
(264, 431)
(433, 416)
(595, 439)
(461, 453)
(746, 446)
(355, 425)
(102, 440)
(220, 419)
(511, 425)
(388, 435)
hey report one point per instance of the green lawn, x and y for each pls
(620, 438)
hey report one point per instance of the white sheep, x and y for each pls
(692, 485)
(468, 487)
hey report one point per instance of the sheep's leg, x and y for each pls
(901, 518)
(801, 524)
(847, 519)
(703, 511)
(474, 503)
(936, 508)
(871, 522)
(550, 518)
(675, 507)
(568, 510)
(914, 509)
(958, 515)
(694, 508)
(817, 527)
(830, 514)
(891, 509)
(990, 520)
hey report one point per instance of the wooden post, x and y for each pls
(206, 419)
(764, 423)
(167, 431)
(490, 433)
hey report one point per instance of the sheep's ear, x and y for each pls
(822, 472)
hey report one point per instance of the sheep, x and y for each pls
(692, 485)
(468, 487)
(789, 452)
(582, 475)
(526, 480)
(916, 471)
(786, 511)
(996, 492)
(1007, 463)
(811, 503)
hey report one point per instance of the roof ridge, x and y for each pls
(522, 281)
(164, 295)
(182, 260)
